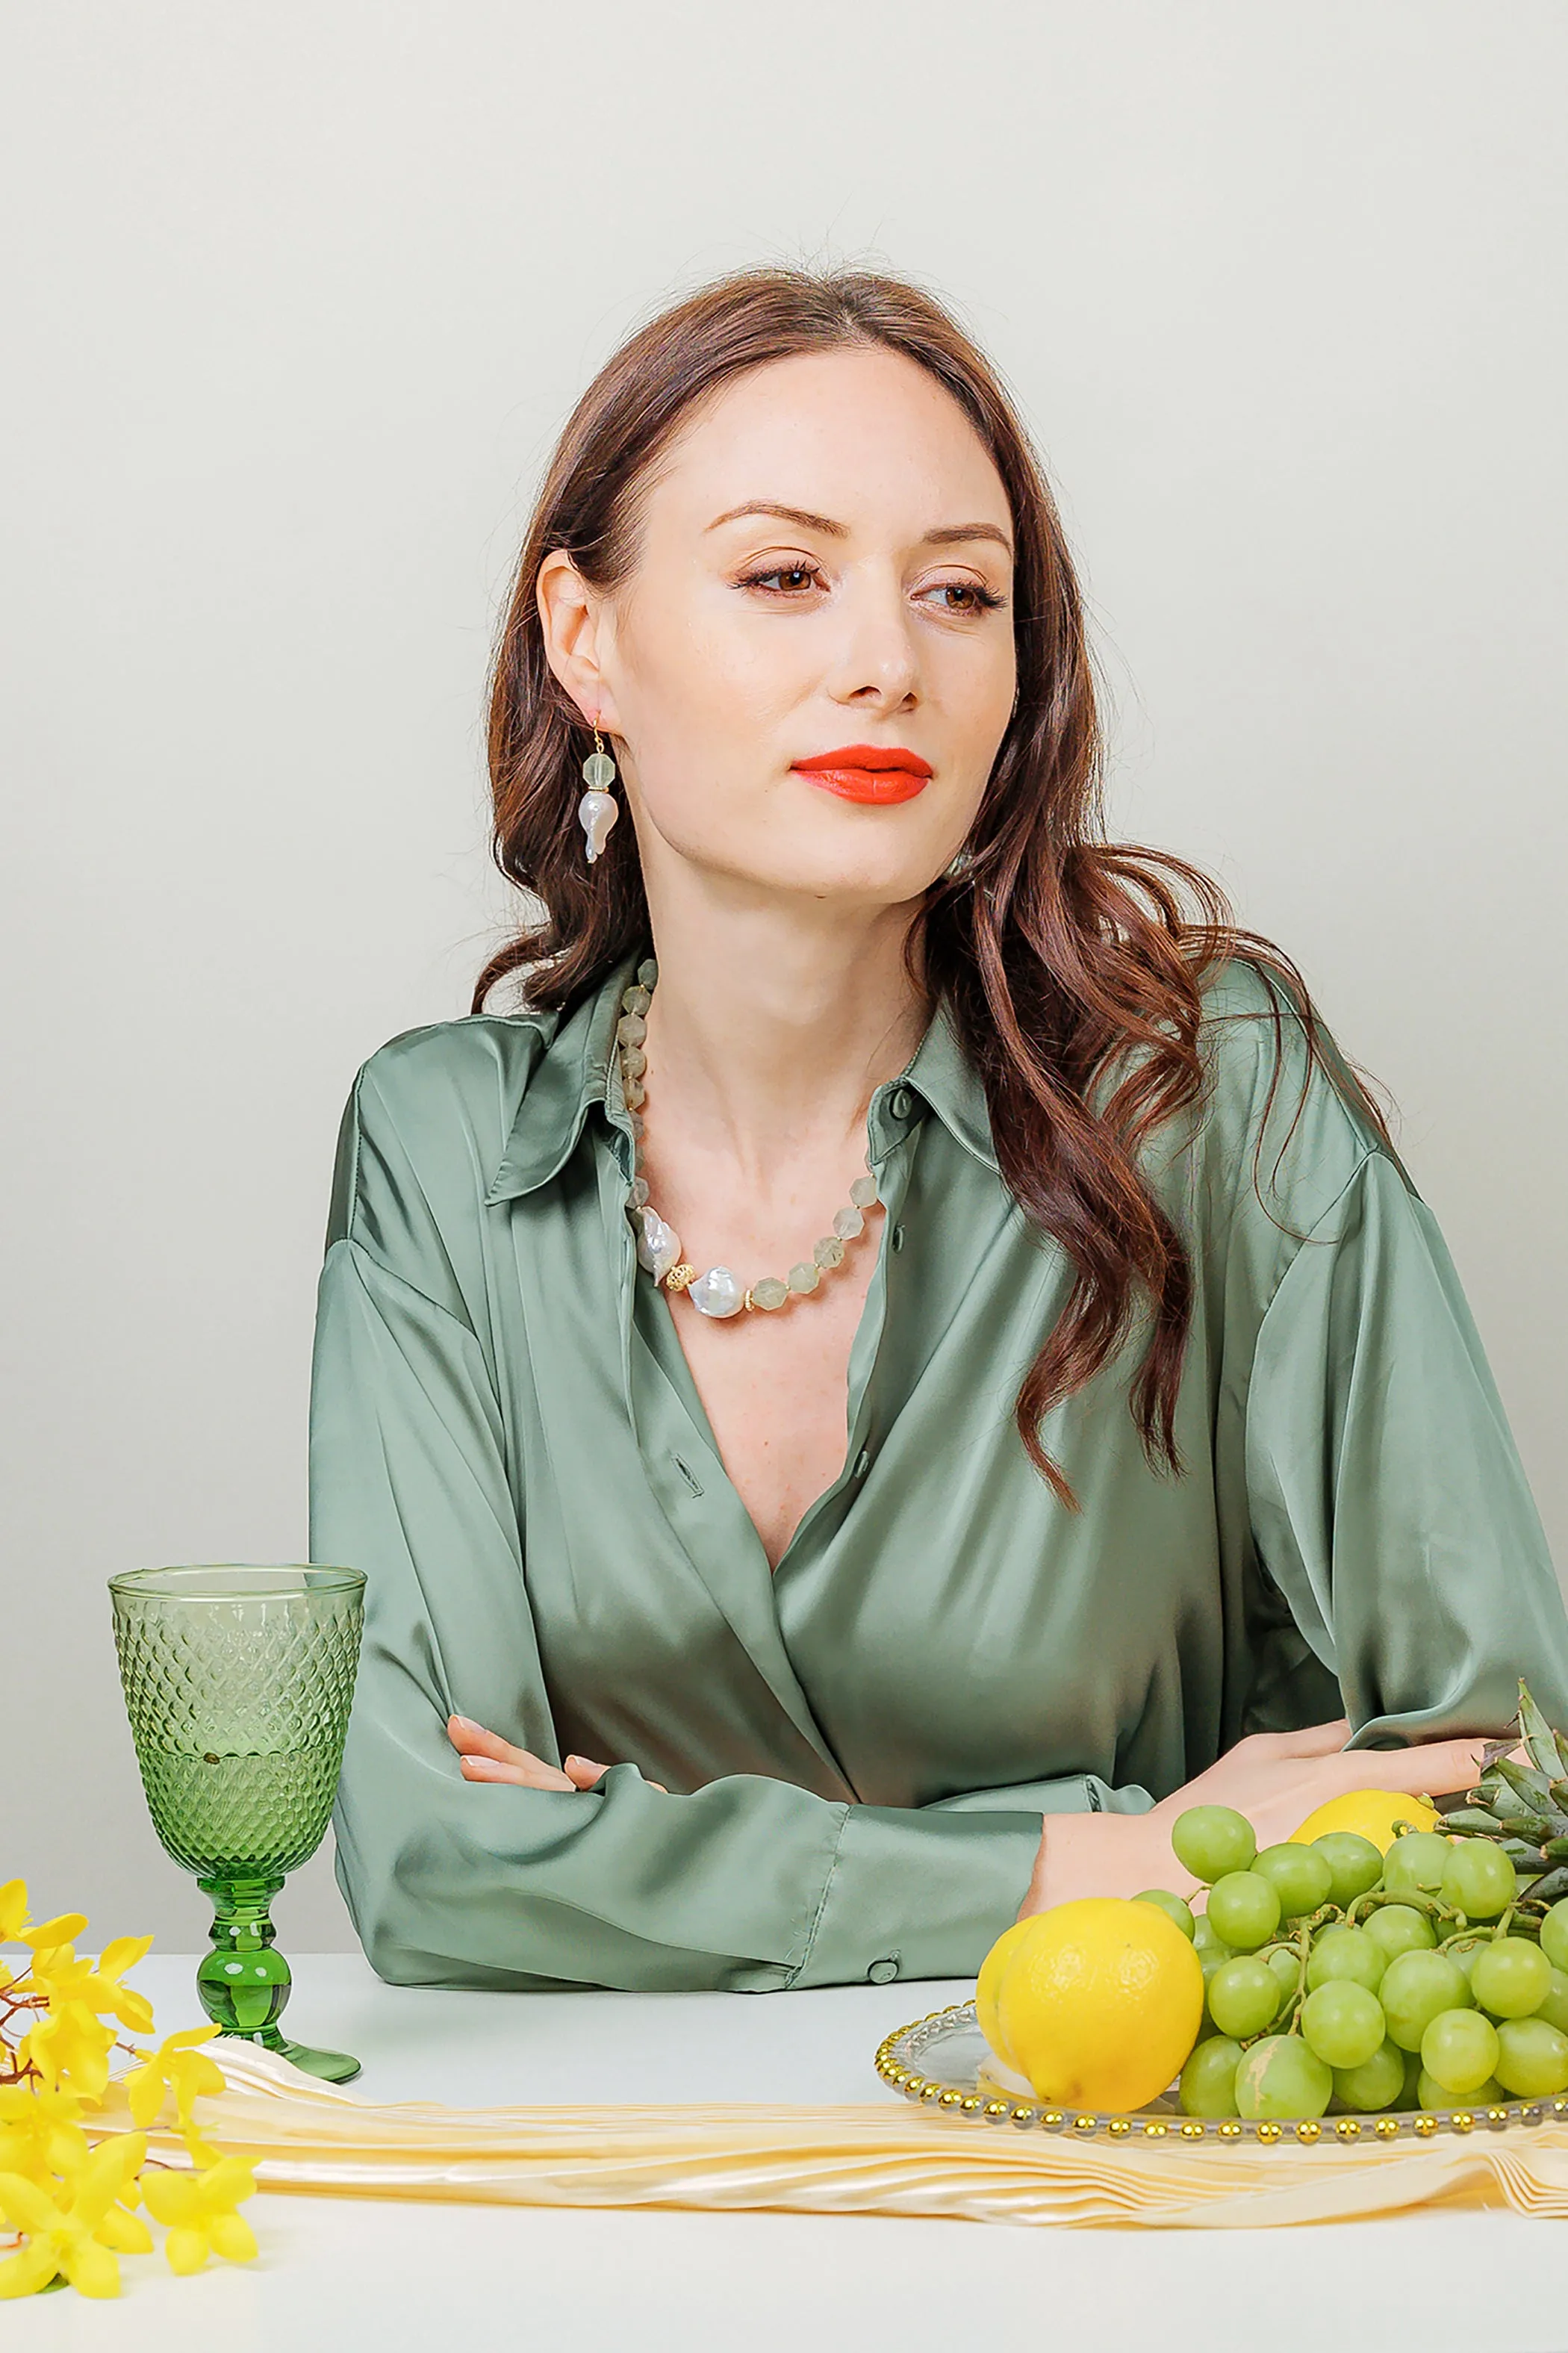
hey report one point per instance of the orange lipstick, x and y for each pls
(876, 774)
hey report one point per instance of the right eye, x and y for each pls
(794, 579)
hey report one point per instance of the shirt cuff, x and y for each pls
(918, 1894)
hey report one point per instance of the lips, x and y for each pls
(876, 774)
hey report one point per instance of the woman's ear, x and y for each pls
(573, 621)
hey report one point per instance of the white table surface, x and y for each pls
(347, 2274)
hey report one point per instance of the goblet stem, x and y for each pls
(244, 1985)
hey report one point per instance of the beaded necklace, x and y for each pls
(720, 1292)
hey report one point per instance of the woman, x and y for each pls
(798, 1606)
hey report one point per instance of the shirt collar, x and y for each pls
(570, 1076)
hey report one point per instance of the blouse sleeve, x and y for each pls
(1387, 1499)
(749, 1883)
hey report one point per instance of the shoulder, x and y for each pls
(1283, 1124)
(430, 1113)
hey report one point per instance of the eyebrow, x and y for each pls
(944, 535)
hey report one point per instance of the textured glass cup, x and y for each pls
(237, 1683)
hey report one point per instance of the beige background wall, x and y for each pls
(299, 296)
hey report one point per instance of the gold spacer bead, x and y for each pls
(1193, 2129)
(951, 2099)
(995, 2110)
(680, 1277)
(1386, 2127)
(1269, 2131)
(1348, 2128)
(1308, 2129)
(1425, 2127)
(1085, 2124)
(1052, 2119)
(1119, 2128)
(1155, 2132)
(1462, 2120)
(1230, 2129)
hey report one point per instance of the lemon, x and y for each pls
(1098, 2002)
(990, 1978)
(1371, 1813)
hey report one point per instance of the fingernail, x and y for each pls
(466, 1723)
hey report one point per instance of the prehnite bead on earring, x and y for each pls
(598, 810)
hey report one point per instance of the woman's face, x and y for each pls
(824, 565)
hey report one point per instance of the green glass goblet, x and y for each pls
(238, 1682)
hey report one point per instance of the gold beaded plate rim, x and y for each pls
(933, 2062)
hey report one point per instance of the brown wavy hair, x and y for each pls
(1056, 950)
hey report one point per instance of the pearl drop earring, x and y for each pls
(599, 808)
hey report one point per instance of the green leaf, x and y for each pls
(1539, 1740)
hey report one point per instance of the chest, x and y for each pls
(774, 1387)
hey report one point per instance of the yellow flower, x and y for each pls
(13, 1910)
(71, 2048)
(102, 1991)
(199, 2211)
(39, 2132)
(62, 2231)
(175, 2066)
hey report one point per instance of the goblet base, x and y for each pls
(328, 2066)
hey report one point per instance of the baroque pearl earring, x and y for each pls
(598, 810)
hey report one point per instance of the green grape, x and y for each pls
(1171, 1906)
(1410, 2097)
(1205, 1939)
(1376, 2084)
(1299, 1875)
(1281, 2077)
(1478, 1879)
(1533, 2058)
(1208, 2079)
(1466, 1955)
(1417, 1988)
(1511, 1978)
(1245, 1909)
(1344, 2022)
(1429, 2094)
(1284, 1964)
(1243, 1997)
(1209, 1841)
(1459, 2050)
(1417, 1861)
(1554, 2008)
(1400, 1928)
(1342, 1952)
(1554, 1935)
(1354, 1865)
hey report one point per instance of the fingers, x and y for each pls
(486, 1757)
(1318, 1740)
(585, 1774)
(1438, 1769)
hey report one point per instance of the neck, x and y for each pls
(774, 1024)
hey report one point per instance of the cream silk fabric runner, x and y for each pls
(879, 2157)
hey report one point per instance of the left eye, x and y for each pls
(961, 595)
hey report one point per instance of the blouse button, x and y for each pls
(901, 1102)
(882, 1972)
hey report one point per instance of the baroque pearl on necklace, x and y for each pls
(720, 1292)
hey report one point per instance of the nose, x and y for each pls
(877, 659)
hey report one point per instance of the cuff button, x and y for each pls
(883, 1972)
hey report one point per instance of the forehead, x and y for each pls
(861, 434)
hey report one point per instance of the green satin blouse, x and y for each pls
(858, 1749)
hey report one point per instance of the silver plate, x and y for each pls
(944, 2062)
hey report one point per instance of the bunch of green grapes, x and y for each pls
(1339, 1978)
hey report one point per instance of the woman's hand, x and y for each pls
(1275, 1778)
(486, 1757)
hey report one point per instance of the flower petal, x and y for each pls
(185, 2249)
(127, 2232)
(23, 2274)
(91, 2269)
(122, 1953)
(232, 2237)
(171, 2198)
(28, 2206)
(13, 1910)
